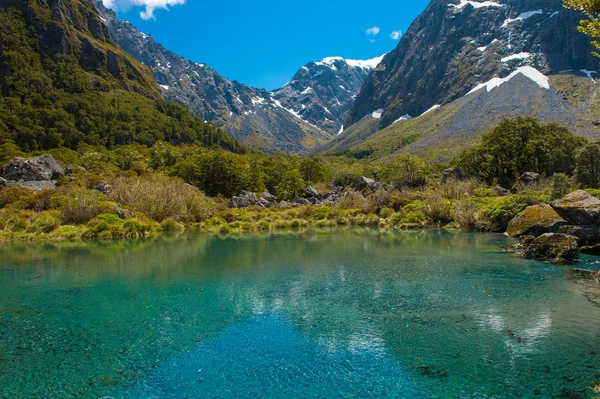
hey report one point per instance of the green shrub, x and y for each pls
(44, 223)
(437, 208)
(172, 226)
(562, 184)
(82, 205)
(160, 197)
(507, 208)
(322, 212)
(469, 217)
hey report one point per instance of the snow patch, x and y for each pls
(258, 100)
(327, 110)
(521, 17)
(165, 87)
(341, 130)
(365, 64)
(542, 80)
(307, 90)
(589, 74)
(474, 4)
(377, 114)
(520, 56)
(402, 118)
(436, 106)
(239, 100)
(482, 49)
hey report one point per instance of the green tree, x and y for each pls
(588, 166)
(591, 26)
(290, 185)
(406, 169)
(312, 170)
(522, 145)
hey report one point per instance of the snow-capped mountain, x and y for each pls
(297, 118)
(458, 46)
(323, 92)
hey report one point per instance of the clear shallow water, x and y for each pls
(355, 315)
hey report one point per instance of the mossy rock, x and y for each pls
(535, 220)
(553, 246)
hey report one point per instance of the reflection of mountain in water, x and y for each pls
(456, 315)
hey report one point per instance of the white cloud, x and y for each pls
(395, 35)
(149, 5)
(373, 31)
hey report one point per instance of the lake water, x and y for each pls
(355, 315)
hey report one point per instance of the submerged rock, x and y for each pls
(42, 168)
(535, 220)
(578, 208)
(553, 246)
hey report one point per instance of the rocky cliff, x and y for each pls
(456, 46)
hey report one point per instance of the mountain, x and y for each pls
(480, 60)
(292, 119)
(323, 92)
(63, 82)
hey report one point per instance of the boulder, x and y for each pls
(300, 201)
(42, 168)
(452, 173)
(34, 185)
(535, 220)
(121, 212)
(586, 235)
(2, 182)
(310, 192)
(529, 178)
(104, 187)
(363, 183)
(246, 199)
(553, 246)
(500, 191)
(73, 168)
(578, 208)
(267, 196)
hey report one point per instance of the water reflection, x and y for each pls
(414, 313)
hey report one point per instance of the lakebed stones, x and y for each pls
(535, 220)
(553, 246)
(578, 208)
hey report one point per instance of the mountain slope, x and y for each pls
(63, 81)
(442, 133)
(452, 48)
(288, 119)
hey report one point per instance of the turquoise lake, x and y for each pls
(360, 314)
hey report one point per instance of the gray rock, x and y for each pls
(267, 196)
(310, 192)
(527, 179)
(553, 246)
(501, 191)
(104, 188)
(73, 168)
(300, 201)
(42, 168)
(363, 183)
(2, 182)
(34, 185)
(578, 208)
(586, 235)
(121, 212)
(452, 173)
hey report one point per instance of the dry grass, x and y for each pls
(160, 197)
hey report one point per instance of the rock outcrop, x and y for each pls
(36, 173)
(579, 208)
(535, 220)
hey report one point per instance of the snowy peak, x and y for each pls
(321, 93)
(365, 64)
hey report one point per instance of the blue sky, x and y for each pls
(264, 42)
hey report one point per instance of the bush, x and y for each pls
(437, 208)
(562, 184)
(457, 189)
(469, 217)
(82, 205)
(352, 200)
(507, 208)
(109, 227)
(172, 226)
(160, 197)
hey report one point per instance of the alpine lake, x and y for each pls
(355, 314)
